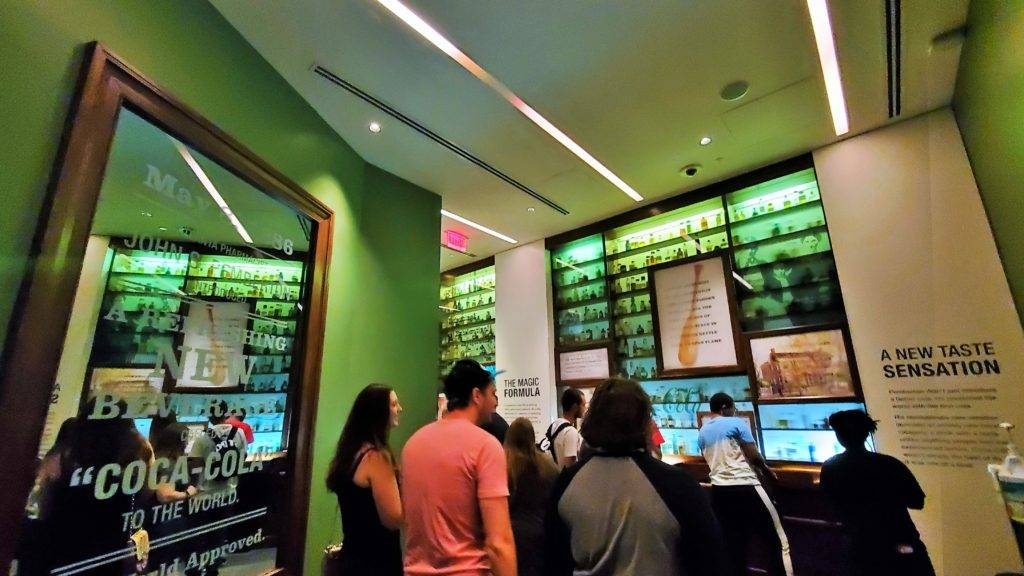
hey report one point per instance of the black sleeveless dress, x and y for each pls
(370, 547)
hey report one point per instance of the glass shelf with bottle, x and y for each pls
(583, 333)
(130, 283)
(677, 251)
(241, 290)
(266, 383)
(131, 303)
(635, 326)
(583, 314)
(466, 284)
(469, 335)
(275, 364)
(237, 268)
(274, 327)
(684, 415)
(688, 220)
(818, 299)
(785, 276)
(582, 251)
(571, 277)
(801, 219)
(467, 351)
(470, 301)
(635, 347)
(126, 261)
(698, 390)
(454, 316)
(638, 369)
(639, 302)
(630, 283)
(774, 196)
(565, 296)
(470, 319)
(785, 249)
(275, 309)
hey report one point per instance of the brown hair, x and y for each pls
(618, 417)
(521, 453)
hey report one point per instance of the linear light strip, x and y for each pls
(479, 227)
(829, 64)
(428, 32)
(217, 198)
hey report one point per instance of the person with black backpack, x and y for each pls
(562, 440)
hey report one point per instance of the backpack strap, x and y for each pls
(552, 435)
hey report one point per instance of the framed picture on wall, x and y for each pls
(803, 364)
(696, 328)
(585, 366)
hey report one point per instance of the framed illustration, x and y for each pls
(125, 381)
(804, 364)
(585, 366)
(696, 327)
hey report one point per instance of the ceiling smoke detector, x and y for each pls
(735, 90)
(690, 170)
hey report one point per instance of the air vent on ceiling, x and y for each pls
(437, 138)
(893, 54)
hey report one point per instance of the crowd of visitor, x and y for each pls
(592, 498)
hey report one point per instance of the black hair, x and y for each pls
(219, 412)
(170, 441)
(720, 401)
(852, 427)
(465, 376)
(369, 422)
(241, 414)
(570, 398)
(618, 418)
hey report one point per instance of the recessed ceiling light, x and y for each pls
(735, 90)
(147, 214)
(374, 127)
(445, 45)
(531, 209)
(163, 228)
(829, 64)
(479, 227)
(705, 141)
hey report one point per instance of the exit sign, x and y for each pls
(455, 240)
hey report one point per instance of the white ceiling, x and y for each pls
(635, 83)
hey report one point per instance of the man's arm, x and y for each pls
(757, 462)
(498, 540)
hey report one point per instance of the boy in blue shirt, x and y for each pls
(743, 507)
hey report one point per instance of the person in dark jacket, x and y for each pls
(620, 511)
(872, 492)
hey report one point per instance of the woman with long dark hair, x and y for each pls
(364, 475)
(531, 476)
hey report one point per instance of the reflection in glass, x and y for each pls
(171, 410)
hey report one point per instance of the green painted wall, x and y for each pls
(382, 321)
(989, 106)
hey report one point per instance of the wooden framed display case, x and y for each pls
(136, 160)
(769, 228)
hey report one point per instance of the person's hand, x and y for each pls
(191, 491)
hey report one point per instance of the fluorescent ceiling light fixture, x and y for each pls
(479, 227)
(829, 64)
(428, 32)
(217, 198)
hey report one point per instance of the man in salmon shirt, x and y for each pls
(455, 486)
